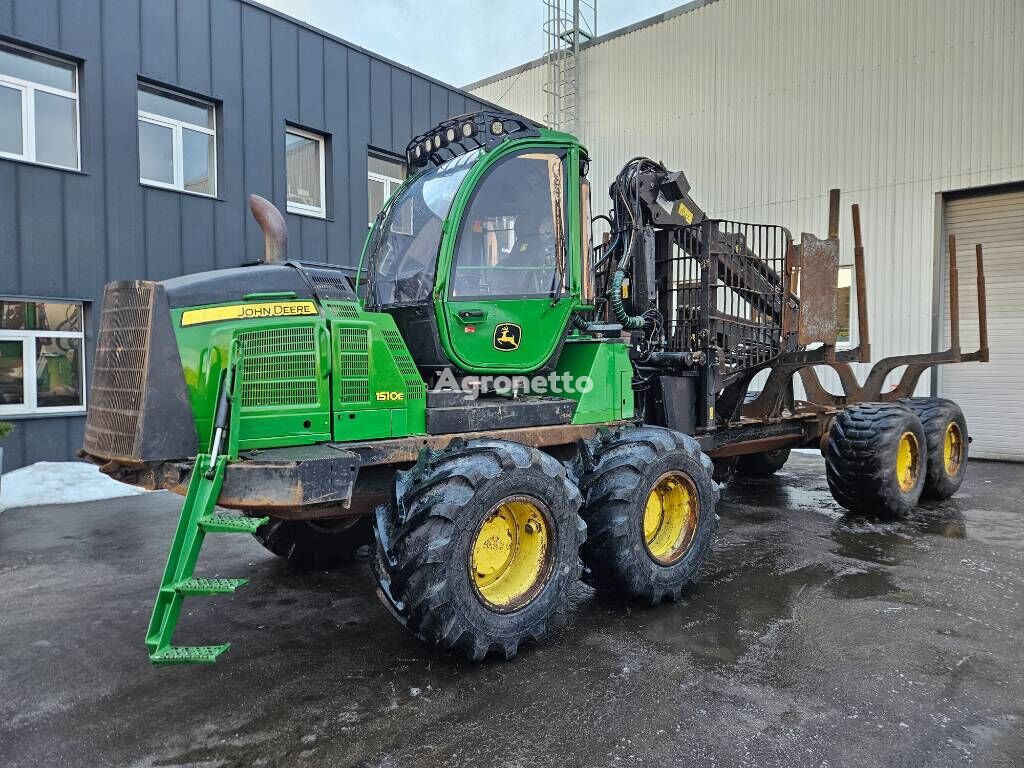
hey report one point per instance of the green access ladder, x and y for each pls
(198, 517)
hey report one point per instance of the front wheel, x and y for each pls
(479, 546)
(650, 511)
(315, 543)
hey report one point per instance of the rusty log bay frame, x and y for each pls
(769, 401)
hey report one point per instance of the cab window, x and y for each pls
(513, 237)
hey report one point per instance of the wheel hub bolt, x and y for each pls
(532, 526)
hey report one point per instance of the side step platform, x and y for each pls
(449, 413)
(197, 519)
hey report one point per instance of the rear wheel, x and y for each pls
(315, 544)
(650, 511)
(762, 464)
(479, 546)
(945, 431)
(875, 459)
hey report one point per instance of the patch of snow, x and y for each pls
(59, 482)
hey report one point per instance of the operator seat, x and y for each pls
(528, 250)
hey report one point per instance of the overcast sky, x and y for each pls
(457, 41)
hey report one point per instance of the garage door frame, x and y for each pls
(941, 263)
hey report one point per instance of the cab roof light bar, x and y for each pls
(459, 135)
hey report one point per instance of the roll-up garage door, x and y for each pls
(991, 394)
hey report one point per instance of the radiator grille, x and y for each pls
(118, 381)
(354, 364)
(279, 368)
(414, 386)
(342, 309)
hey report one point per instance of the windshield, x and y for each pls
(404, 246)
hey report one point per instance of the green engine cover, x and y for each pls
(378, 392)
(310, 378)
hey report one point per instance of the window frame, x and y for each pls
(177, 141)
(392, 183)
(300, 209)
(566, 288)
(28, 338)
(28, 90)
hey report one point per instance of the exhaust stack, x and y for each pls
(275, 231)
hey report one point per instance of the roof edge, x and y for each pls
(366, 51)
(648, 22)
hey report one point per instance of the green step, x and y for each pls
(208, 586)
(231, 523)
(188, 654)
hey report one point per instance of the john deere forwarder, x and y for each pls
(306, 395)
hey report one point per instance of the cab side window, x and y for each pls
(513, 237)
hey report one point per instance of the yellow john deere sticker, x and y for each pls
(251, 311)
(507, 336)
(686, 213)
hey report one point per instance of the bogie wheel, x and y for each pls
(875, 460)
(762, 464)
(945, 431)
(479, 546)
(315, 544)
(650, 511)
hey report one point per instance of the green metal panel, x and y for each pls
(374, 377)
(284, 393)
(606, 364)
(287, 393)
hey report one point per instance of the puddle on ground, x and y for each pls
(994, 527)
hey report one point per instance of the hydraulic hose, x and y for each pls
(628, 321)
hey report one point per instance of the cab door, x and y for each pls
(511, 283)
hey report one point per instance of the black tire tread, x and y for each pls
(762, 464)
(427, 499)
(610, 488)
(935, 414)
(857, 474)
(305, 547)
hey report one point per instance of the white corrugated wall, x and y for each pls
(766, 104)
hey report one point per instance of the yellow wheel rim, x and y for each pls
(670, 518)
(953, 449)
(907, 464)
(511, 555)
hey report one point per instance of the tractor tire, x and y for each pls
(724, 470)
(875, 460)
(650, 511)
(479, 546)
(945, 431)
(311, 544)
(762, 464)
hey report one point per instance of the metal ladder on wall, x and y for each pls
(198, 518)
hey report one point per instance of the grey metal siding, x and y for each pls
(65, 234)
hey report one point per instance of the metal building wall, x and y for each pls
(766, 104)
(64, 234)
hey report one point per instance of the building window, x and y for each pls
(384, 176)
(41, 357)
(306, 169)
(844, 304)
(38, 108)
(177, 142)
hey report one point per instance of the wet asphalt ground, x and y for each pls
(814, 639)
